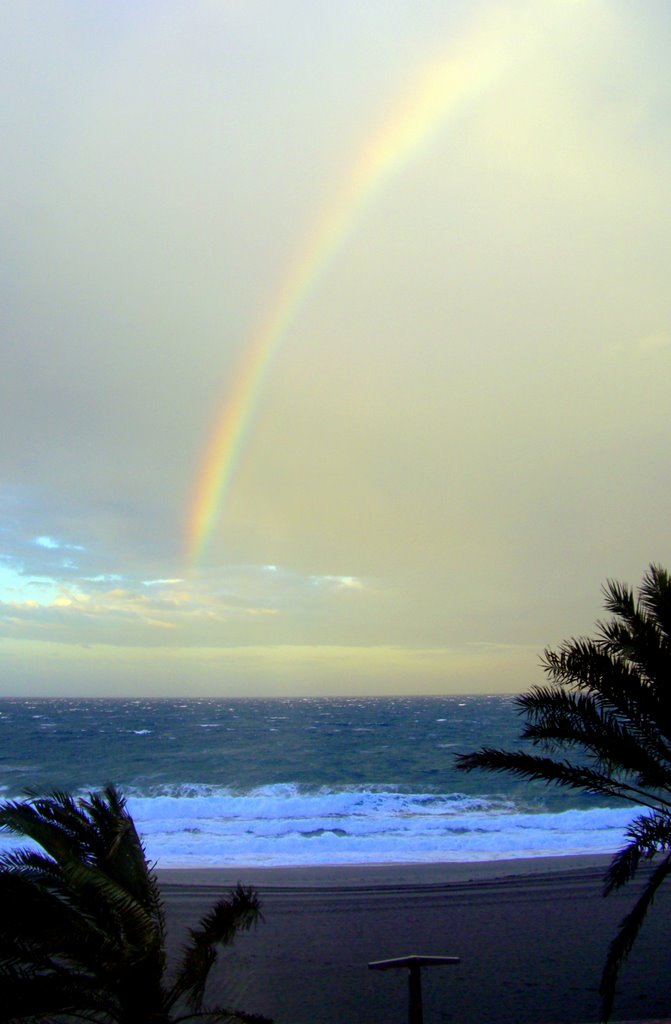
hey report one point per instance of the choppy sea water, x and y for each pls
(302, 781)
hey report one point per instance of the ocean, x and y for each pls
(222, 782)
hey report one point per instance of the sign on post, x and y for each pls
(414, 966)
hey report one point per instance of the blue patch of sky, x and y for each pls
(17, 587)
(52, 544)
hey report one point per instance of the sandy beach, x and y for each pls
(531, 934)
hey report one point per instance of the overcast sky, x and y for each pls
(463, 429)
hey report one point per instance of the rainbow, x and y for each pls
(443, 90)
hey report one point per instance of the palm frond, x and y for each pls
(637, 634)
(45, 997)
(649, 834)
(654, 595)
(25, 819)
(615, 685)
(113, 903)
(619, 599)
(545, 769)
(236, 912)
(623, 942)
(609, 701)
(82, 929)
(122, 853)
(557, 718)
(41, 907)
(29, 863)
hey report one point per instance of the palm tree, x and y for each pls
(82, 925)
(609, 701)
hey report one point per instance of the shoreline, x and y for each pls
(414, 874)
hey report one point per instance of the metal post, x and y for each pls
(415, 994)
(414, 965)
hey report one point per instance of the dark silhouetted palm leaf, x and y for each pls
(82, 928)
(609, 701)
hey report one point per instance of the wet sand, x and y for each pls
(531, 934)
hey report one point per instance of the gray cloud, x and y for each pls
(466, 427)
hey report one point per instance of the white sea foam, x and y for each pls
(199, 825)
(283, 825)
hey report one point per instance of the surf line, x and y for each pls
(445, 89)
